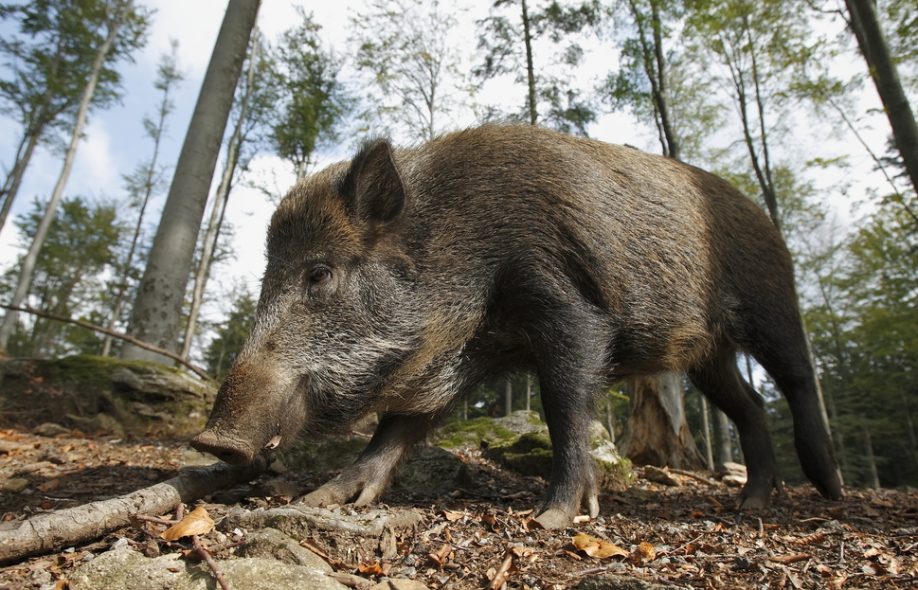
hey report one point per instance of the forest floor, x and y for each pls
(685, 534)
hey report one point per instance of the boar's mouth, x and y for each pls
(225, 446)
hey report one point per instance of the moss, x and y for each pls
(529, 454)
(471, 433)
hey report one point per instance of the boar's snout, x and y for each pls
(224, 447)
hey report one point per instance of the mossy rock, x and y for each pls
(104, 395)
(528, 454)
(531, 454)
(471, 433)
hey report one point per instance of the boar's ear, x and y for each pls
(372, 188)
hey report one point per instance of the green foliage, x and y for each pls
(504, 50)
(231, 334)
(48, 62)
(308, 98)
(78, 251)
(416, 80)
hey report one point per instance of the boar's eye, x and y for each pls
(319, 275)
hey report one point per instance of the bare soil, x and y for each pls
(483, 536)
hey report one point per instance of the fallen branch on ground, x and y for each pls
(52, 531)
(90, 326)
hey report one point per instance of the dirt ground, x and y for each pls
(684, 535)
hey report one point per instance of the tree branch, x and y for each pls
(90, 326)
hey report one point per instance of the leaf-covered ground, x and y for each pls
(482, 535)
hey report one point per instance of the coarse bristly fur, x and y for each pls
(398, 281)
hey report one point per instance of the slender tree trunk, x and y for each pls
(508, 396)
(157, 310)
(24, 281)
(872, 474)
(530, 70)
(909, 428)
(872, 43)
(218, 209)
(528, 392)
(706, 424)
(14, 180)
(610, 423)
(723, 450)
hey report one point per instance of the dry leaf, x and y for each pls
(596, 547)
(49, 486)
(792, 558)
(645, 552)
(374, 568)
(452, 516)
(197, 522)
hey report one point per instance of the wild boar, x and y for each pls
(398, 281)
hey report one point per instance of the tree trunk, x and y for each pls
(528, 392)
(530, 70)
(610, 423)
(508, 396)
(221, 198)
(723, 450)
(706, 424)
(157, 310)
(872, 43)
(138, 227)
(659, 434)
(24, 281)
(14, 180)
(873, 476)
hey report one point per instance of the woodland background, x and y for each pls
(779, 96)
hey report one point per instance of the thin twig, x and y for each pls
(206, 556)
(155, 519)
(90, 326)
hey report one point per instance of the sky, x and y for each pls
(114, 142)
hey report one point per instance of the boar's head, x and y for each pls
(335, 314)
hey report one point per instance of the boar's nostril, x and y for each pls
(224, 448)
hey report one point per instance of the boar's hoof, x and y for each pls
(224, 447)
(756, 495)
(555, 519)
(337, 491)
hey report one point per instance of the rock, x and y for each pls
(14, 485)
(661, 476)
(614, 473)
(297, 520)
(598, 433)
(8, 446)
(522, 422)
(271, 543)
(127, 569)
(399, 584)
(50, 429)
(616, 582)
(105, 395)
(475, 433)
(734, 474)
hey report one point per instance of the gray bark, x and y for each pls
(723, 450)
(872, 474)
(872, 43)
(26, 273)
(218, 209)
(706, 424)
(156, 316)
(508, 396)
(530, 70)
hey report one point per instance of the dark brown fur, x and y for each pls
(506, 248)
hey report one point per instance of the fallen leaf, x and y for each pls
(49, 486)
(374, 568)
(596, 547)
(792, 558)
(645, 552)
(197, 522)
(453, 516)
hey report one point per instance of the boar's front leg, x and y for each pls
(571, 357)
(366, 480)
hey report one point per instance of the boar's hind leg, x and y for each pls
(569, 367)
(366, 480)
(788, 364)
(721, 382)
